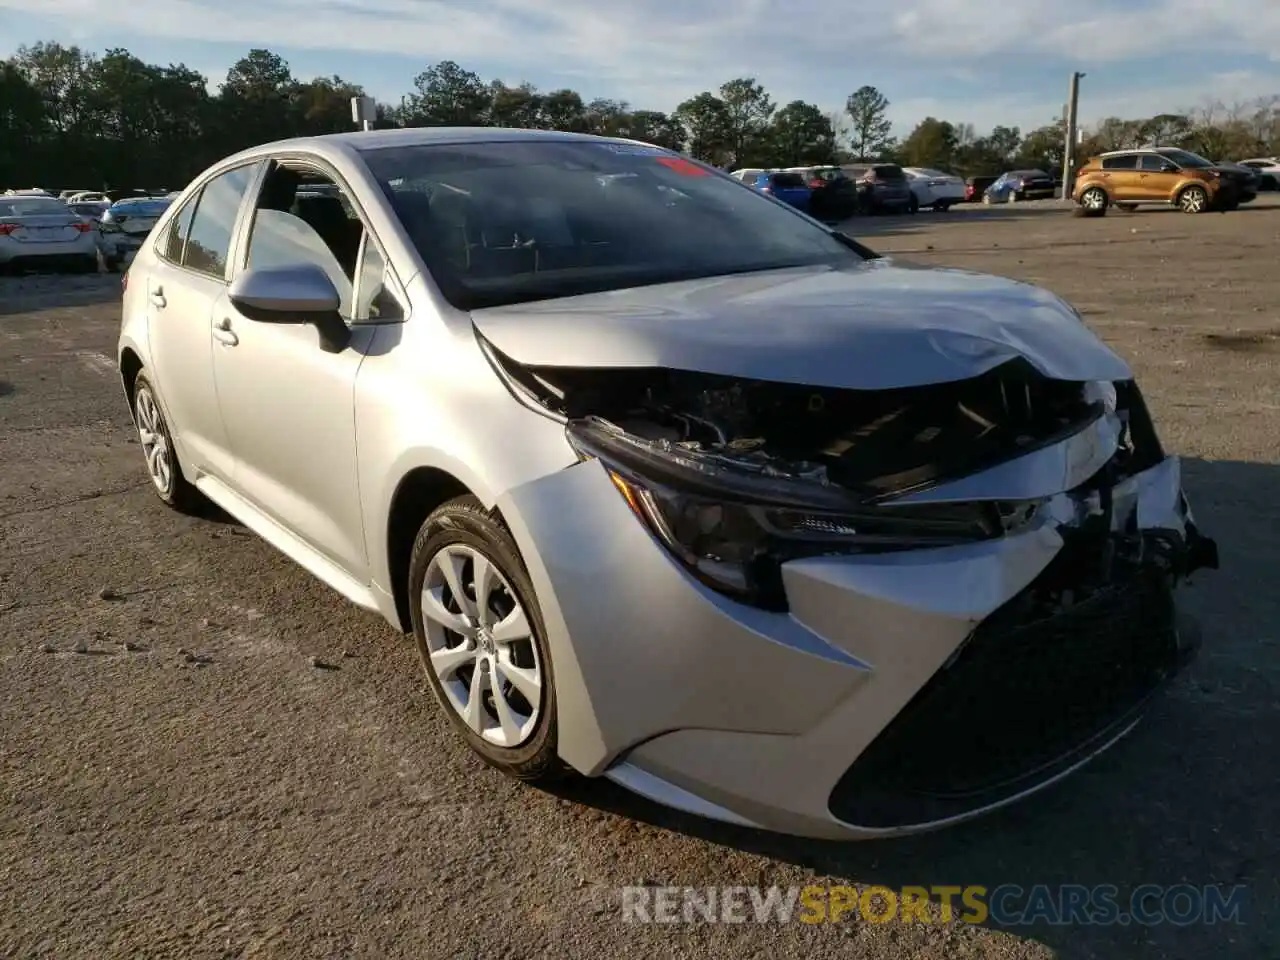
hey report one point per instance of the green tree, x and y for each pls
(801, 134)
(748, 110)
(656, 127)
(931, 144)
(869, 124)
(708, 128)
(446, 95)
(514, 106)
(564, 110)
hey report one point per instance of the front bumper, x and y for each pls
(901, 692)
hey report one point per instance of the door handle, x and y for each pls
(223, 333)
(157, 296)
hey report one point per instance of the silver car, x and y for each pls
(669, 482)
(43, 233)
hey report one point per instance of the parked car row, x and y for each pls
(40, 231)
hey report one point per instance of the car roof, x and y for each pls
(351, 144)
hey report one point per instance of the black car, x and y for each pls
(834, 197)
(975, 187)
(882, 188)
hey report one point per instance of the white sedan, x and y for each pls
(933, 188)
(1268, 169)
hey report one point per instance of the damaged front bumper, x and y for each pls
(896, 691)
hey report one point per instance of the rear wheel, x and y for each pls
(481, 639)
(986, 199)
(942, 206)
(913, 205)
(1193, 200)
(1094, 202)
(157, 450)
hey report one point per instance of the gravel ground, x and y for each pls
(206, 753)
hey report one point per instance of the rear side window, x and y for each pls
(890, 172)
(1129, 162)
(788, 180)
(1150, 162)
(209, 235)
(176, 235)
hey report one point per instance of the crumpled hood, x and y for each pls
(875, 325)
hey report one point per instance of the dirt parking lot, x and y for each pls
(206, 753)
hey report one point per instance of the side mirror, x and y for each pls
(295, 294)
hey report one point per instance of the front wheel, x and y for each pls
(1193, 200)
(481, 639)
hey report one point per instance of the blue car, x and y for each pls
(790, 188)
(1020, 185)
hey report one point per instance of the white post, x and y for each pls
(363, 111)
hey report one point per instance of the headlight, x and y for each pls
(734, 526)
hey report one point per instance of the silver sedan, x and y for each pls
(43, 233)
(669, 482)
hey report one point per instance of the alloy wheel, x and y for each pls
(1192, 200)
(1093, 200)
(480, 646)
(156, 448)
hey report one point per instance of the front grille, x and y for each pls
(1037, 687)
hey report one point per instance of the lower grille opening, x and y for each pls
(1044, 681)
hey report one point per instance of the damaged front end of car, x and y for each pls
(738, 477)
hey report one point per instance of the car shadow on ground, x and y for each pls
(24, 293)
(1179, 801)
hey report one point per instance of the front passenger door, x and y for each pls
(288, 405)
(1156, 179)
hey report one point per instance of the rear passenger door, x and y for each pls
(184, 280)
(1121, 176)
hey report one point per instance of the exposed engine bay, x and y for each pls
(739, 476)
(872, 443)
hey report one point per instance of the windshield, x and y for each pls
(1185, 158)
(512, 222)
(32, 207)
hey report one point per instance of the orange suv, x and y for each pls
(1164, 175)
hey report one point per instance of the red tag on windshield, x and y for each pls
(683, 167)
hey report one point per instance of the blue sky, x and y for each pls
(977, 61)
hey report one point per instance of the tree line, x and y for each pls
(76, 118)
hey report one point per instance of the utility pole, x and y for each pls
(1069, 162)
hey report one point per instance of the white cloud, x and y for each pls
(657, 54)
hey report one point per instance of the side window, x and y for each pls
(1152, 162)
(209, 236)
(1129, 162)
(176, 235)
(298, 223)
(375, 299)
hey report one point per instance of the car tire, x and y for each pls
(986, 199)
(942, 206)
(913, 205)
(1193, 199)
(156, 443)
(448, 545)
(1094, 202)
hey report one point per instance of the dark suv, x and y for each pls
(882, 187)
